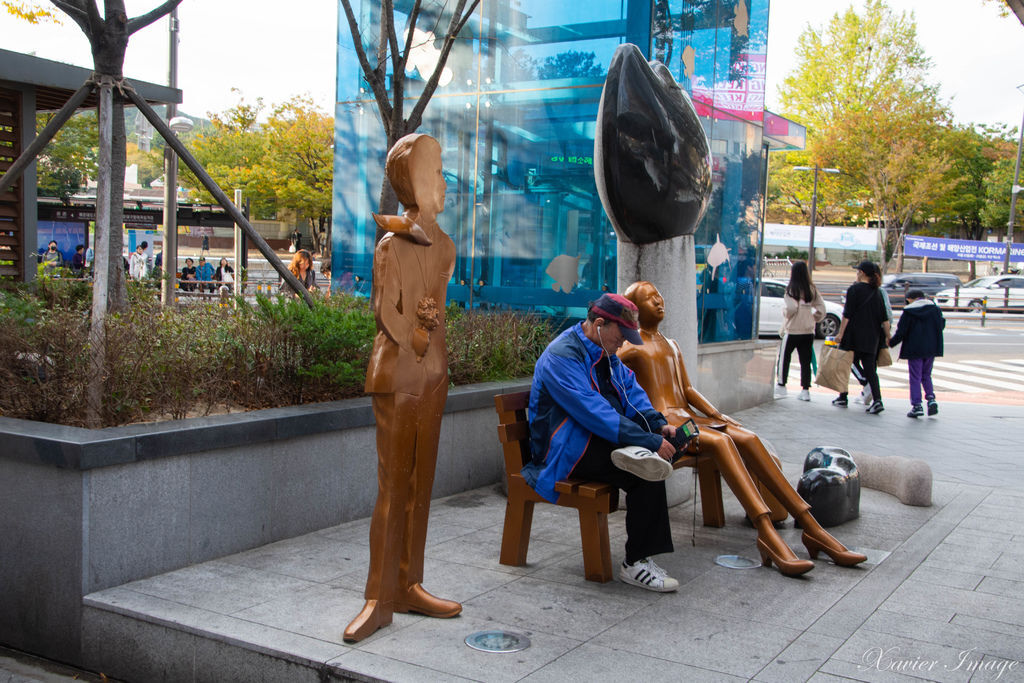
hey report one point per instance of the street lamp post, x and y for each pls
(1015, 190)
(814, 207)
(178, 124)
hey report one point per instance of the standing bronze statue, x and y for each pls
(408, 380)
(738, 452)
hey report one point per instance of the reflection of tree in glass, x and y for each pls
(520, 66)
(571, 64)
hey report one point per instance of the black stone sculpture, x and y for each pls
(652, 160)
(831, 484)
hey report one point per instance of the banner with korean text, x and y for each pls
(962, 250)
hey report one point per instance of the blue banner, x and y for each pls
(963, 250)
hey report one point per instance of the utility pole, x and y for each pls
(814, 207)
(1015, 190)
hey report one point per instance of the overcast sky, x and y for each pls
(243, 44)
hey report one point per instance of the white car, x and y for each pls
(773, 306)
(995, 291)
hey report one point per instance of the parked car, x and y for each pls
(997, 290)
(772, 307)
(897, 284)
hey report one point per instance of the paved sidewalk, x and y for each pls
(941, 597)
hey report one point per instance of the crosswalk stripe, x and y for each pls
(938, 381)
(1008, 368)
(1006, 372)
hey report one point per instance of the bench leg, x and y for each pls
(515, 538)
(597, 553)
(710, 492)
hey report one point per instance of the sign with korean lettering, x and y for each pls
(961, 250)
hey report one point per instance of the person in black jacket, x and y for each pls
(920, 329)
(865, 328)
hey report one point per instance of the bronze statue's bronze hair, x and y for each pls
(397, 168)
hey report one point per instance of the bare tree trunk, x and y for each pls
(116, 288)
(97, 333)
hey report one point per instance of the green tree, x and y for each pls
(150, 164)
(861, 86)
(300, 163)
(841, 201)
(234, 151)
(70, 158)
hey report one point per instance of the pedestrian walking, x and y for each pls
(919, 332)
(864, 330)
(804, 310)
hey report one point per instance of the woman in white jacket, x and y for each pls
(804, 309)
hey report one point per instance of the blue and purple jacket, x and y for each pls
(567, 408)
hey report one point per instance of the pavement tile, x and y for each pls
(993, 625)
(961, 637)
(439, 644)
(916, 598)
(589, 663)
(874, 656)
(947, 577)
(707, 640)
(801, 660)
(379, 667)
(578, 612)
(312, 558)
(219, 586)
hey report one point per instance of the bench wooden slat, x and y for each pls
(517, 431)
(508, 402)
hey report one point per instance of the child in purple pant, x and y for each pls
(920, 329)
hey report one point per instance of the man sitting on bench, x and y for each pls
(585, 406)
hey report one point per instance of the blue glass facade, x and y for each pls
(516, 124)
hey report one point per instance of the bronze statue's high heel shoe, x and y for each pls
(833, 548)
(787, 562)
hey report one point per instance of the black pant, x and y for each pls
(865, 370)
(647, 526)
(802, 343)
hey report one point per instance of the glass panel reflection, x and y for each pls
(516, 126)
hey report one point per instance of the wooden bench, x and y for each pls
(593, 500)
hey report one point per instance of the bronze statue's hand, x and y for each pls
(666, 450)
(728, 420)
(420, 342)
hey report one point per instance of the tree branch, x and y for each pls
(77, 10)
(376, 83)
(458, 21)
(151, 16)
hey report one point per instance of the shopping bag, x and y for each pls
(834, 369)
(884, 359)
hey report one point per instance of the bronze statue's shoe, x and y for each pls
(833, 548)
(787, 562)
(417, 599)
(369, 620)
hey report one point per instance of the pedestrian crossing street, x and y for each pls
(964, 376)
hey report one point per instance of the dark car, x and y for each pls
(897, 284)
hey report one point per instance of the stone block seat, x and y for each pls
(593, 500)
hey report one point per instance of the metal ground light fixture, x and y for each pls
(814, 207)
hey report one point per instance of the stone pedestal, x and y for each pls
(671, 266)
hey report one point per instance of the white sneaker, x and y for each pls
(805, 395)
(646, 574)
(780, 390)
(865, 397)
(642, 462)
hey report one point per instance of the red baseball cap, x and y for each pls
(621, 311)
